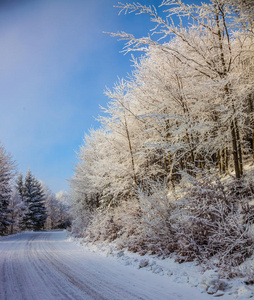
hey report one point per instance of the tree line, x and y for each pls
(173, 129)
(26, 203)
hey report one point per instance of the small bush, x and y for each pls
(103, 227)
(147, 229)
(211, 225)
(141, 225)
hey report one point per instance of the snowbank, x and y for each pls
(189, 273)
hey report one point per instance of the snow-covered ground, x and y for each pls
(52, 265)
(181, 276)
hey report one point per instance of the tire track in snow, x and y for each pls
(50, 280)
(59, 274)
(89, 282)
(13, 265)
(33, 268)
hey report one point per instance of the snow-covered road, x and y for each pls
(46, 265)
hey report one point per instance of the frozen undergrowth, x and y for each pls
(208, 223)
(190, 273)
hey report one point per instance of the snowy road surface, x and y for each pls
(46, 265)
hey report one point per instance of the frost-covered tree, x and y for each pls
(57, 206)
(184, 114)
(35, 215)
(64, 197)
(51, 207)
(64, 204)
(18, 205)
(6, 175)
(17, 209)
(188, 105)
(212, 53)
(20, 186)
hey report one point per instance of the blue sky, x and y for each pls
(55, 62)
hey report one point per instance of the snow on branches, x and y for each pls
(6, 175)
(185, 111)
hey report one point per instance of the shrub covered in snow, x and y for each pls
(211, 224)
(153, 231)
(103, 227)
(140, 225)
(206, 224)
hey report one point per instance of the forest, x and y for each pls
(170, 170)
(27, 203)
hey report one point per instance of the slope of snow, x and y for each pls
(49, 265)
(183, 275)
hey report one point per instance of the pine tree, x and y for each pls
(6, 174)
(35, 216)
(18, 205)
(20, 186)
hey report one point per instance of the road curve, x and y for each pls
(47, 266)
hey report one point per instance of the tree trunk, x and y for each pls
(131, 153)
(235, 150)
(251, 97)
(239, 148)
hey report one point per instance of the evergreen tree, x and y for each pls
(17, 209)
(35, 216)
(20, 186)
(18, 205)
(6, 174)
